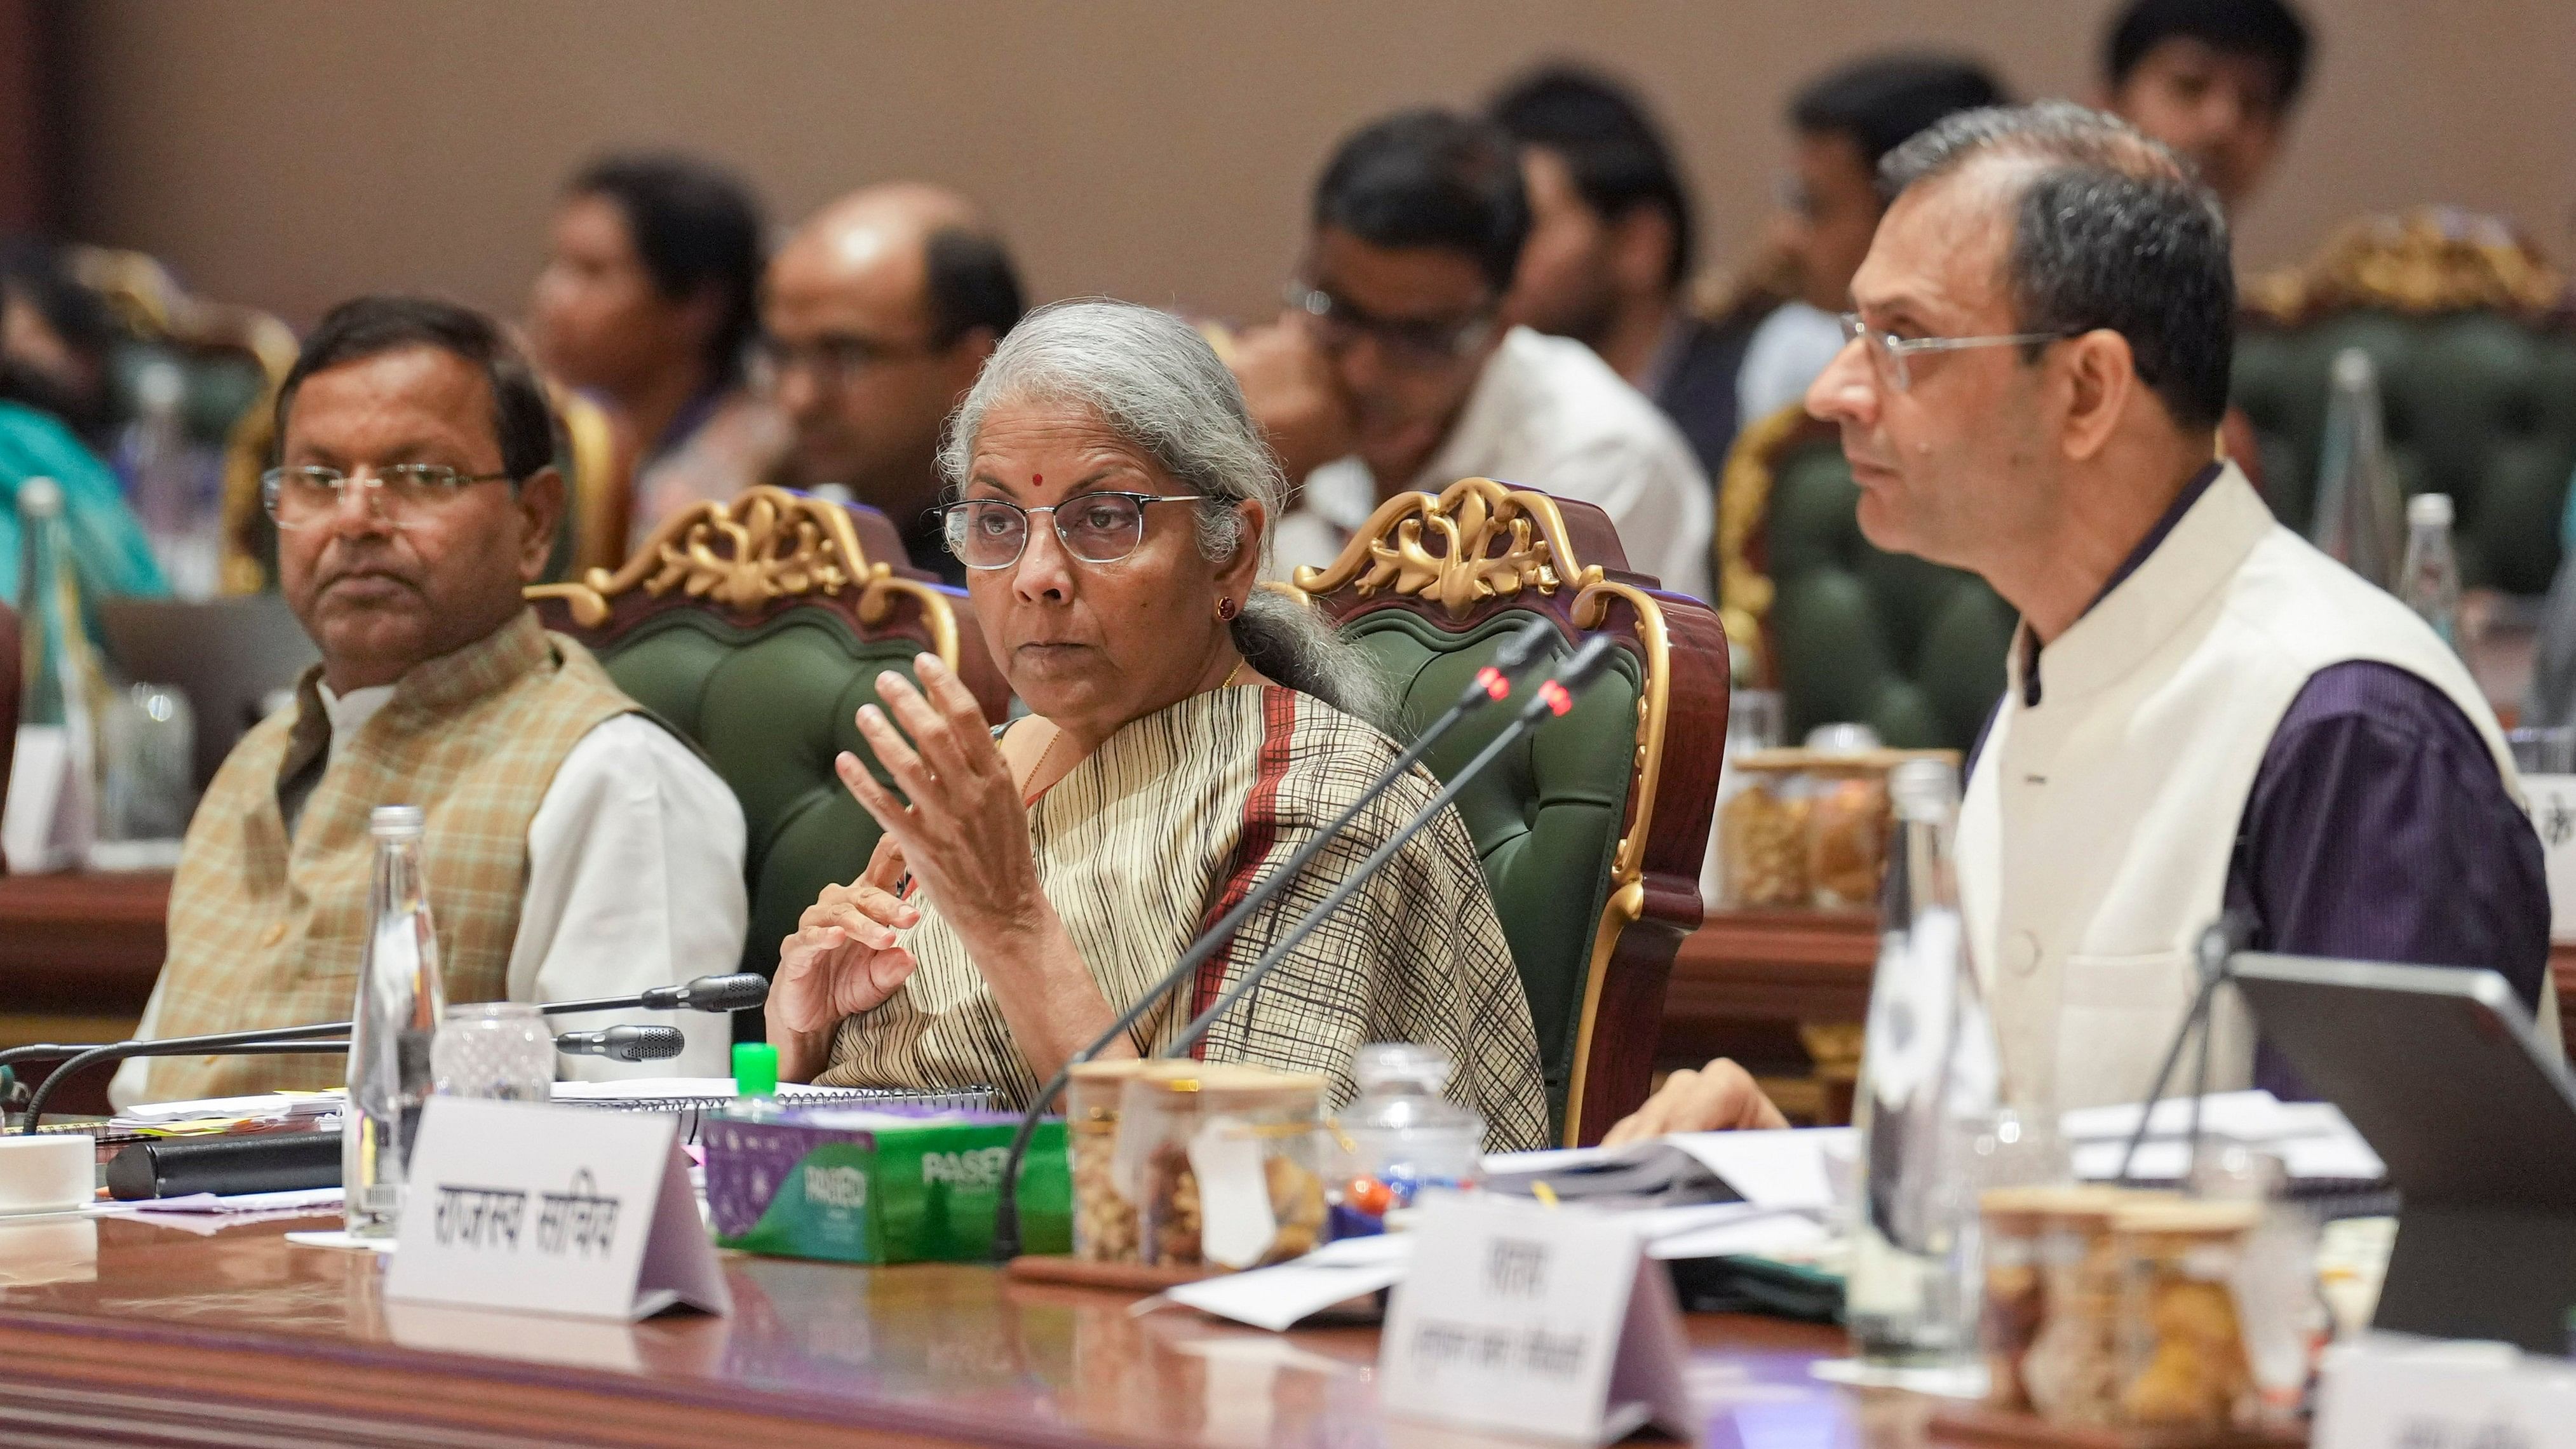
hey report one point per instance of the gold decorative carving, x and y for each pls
(1493, 541)
(2430, 260)
(1744, 593)
(767, 544)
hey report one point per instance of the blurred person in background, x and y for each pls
(1611, 246)
(54, 337)
(575, 847)
(1842, 123)
(1394, 368)
(2216, 80)
(878, 313)
(648, 301)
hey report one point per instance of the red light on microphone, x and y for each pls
(1494, 682)
(1553, 695)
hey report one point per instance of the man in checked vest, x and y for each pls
(574, 847)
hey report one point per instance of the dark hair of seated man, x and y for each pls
(365, 327)
(1430, 178)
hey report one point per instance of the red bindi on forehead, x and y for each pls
(1037, 480)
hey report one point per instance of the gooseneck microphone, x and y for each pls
(734, 991)
(617, 1043)
(1553, 699)
(1490, 685)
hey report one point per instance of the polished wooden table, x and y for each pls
(152, 1335)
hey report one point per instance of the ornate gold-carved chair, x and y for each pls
(2468, 326)
(1845, 631)
(757, 629)
(1593, 830)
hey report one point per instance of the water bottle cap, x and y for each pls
(159, 386)
(1923, 789)
(2353, 368)
(755, 1069)
(394, 820)
(2429, 510)
(40, 498)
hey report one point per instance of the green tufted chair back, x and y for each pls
(760, 650)
(2478, 405)
(1850, 633)
(1591, 828)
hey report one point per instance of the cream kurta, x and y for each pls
(1166, 827)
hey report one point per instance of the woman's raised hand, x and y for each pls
(966, 832)
(844, 958)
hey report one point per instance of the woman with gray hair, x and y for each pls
(1189, 731)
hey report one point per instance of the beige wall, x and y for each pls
(291, 152)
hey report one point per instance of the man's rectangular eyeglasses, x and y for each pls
(837, 359)
(1887, 351)
(302, 497)
(1415, 344)
(991, 533)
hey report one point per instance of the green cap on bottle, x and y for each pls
(755, 1069)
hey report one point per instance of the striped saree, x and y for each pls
(1169, 824)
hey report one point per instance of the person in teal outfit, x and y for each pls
(110, 554)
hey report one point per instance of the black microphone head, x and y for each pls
(646, 1043)
(625, 1043)
(1519, 650)
(741, 991)
(1587, 662)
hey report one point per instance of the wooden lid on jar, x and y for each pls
(1796, 760)
(1235, 1082)
(2176, 1217)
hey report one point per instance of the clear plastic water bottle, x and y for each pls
(2430, 582)
(63, 685)
(400, 1000)
(1929, 1091)
(2357, 507)
(172, 482)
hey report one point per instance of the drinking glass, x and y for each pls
(499, 1050)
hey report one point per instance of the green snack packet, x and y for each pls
(880, 1185)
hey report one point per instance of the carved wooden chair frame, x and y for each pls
(1745, 591)
(765, 552)
(1499, 544)
(2423, 262)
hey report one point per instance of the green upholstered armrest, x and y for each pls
(1592, 829)
(1545, 816)
(1909, 648)
(2477, 405)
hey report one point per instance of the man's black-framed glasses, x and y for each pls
(992, 533)
(1417, 344)
(306, 495)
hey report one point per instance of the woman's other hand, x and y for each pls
(1720, 1097)
(844, 959)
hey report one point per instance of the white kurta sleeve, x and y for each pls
(634, 880)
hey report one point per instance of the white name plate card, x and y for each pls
(539, 1209)
(1533, 1321)
(2390, 1392)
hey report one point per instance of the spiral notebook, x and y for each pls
(691, 1097)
